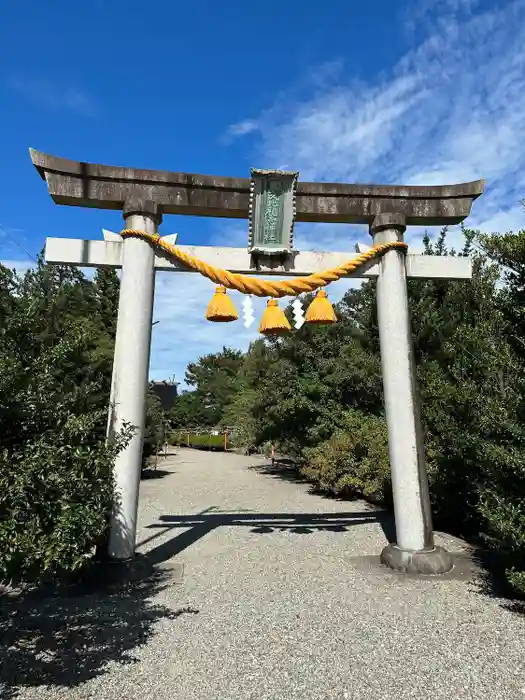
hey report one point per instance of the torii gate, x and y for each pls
(145, 195)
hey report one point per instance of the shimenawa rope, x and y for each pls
(264, 288)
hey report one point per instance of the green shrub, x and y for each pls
(505, 520)
(354, 460)
(56, 494)
(199, 441)
(56, 486)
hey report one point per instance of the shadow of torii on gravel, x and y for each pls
(201, 524)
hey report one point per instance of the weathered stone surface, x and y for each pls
(427, 562)
(108, 187)
(388, 221)
(141, 206)
(108, 253)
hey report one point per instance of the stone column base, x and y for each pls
(429, 562)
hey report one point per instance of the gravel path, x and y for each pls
(281, 597)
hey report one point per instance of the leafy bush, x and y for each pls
(202, 441)
(56, 495)
(354, 460)
(505, 519)
(56, 488)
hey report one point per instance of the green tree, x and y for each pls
(188, 411)
(502, 502)
(214, 380)
(302, 384)
(238, 413)
(56, 488)
(155, 427)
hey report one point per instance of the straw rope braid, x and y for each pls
(264, 288)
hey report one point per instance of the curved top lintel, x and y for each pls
(80, 183)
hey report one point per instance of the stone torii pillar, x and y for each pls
(143, 195)
(414, 549)
(130, 370)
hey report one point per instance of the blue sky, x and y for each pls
(411, 91)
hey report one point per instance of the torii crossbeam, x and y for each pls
(145, 195)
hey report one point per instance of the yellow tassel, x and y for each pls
(320, 310)
(274, 321)
(221, 308)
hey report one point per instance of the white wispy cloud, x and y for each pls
(19, 266)
(13, 245)
(52, 96)
(183, 334)
(247, 126)
(425, 15)
(451, 110)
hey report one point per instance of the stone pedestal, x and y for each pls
(424, 561)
